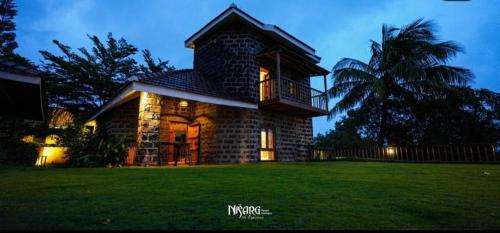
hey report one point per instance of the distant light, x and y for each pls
(183, 103)
(390, 150)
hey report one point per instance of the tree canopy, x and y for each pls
(407, 93)
(8, 42)
(409, 64)
(83, 80)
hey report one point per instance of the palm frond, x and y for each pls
(451, 75)
(351, 99)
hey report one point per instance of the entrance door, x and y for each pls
(193, 139)
(177, 136)
(184, 143)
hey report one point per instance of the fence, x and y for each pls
(431, 153)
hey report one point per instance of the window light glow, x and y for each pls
(183, 103)
(51, 154)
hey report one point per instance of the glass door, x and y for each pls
(266, 85)
(268, 148)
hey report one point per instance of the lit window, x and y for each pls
(183, 103)
(267, 145)
(292, 89)
(265, 84)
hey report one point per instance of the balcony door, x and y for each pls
(266, 85)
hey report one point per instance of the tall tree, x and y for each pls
(152, 66)
(409, 64)
(8, 34)
(81, 82)
(7, 27)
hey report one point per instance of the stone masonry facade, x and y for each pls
(148, 131)
(230, 59)
(228, 134)
(121, 121)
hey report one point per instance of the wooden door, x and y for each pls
(194, 140)
(174, 133)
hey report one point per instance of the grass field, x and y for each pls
(320, 195)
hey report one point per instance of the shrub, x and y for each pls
(86, 149)
(18, 152)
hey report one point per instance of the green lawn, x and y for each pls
(318, 195)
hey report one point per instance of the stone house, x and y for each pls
(247, 99)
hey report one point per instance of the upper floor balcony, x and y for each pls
(294, 96)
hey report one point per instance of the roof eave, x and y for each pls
(165, 91)
(189, 43)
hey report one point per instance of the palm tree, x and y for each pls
(409, 64)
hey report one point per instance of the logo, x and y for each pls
(247, 212)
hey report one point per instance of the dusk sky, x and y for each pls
(335, 28)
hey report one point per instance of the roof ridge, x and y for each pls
(161, 73)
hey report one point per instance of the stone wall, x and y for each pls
(205, 115)
(230, 59)
(148, 131)
(238, 135)
(228, 135)
(293, 134)
(121, 121)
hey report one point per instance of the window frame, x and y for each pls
(273, 149)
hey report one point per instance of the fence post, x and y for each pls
(477, 152)
(493, 152)
(485, 147)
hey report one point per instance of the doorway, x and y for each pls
(266, 85)
(183, 145)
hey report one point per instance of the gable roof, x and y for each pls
(187, 80)
(233, 10)
(183, 84)
(14, 67)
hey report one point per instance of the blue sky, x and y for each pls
(335, 28)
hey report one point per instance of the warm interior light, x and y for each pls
(28, 139)
(265, 90)
(183, 103)
(91, 126)
(51, 154)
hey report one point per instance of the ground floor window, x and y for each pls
(267, 149)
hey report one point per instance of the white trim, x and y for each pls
(164, 91)
(266, 27)
(191, 96)
(20, 78)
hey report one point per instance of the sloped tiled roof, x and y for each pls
(184, 80)
(14, 67)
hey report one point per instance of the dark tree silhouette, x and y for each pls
(8, 34)
(81, 81)
(409, 64)
(7, 27)
(152, 66)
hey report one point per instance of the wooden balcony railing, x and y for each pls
(294, 92)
